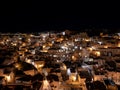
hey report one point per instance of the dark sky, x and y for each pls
(32, 18)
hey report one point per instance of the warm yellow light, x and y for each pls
(8, 78)
(46, 85)
(87, 40)
(28, 60)
(2, 42)
(60, 39)
(63, 67)
(29, 40)
(26, 50)
(80, 54)
(7, 40)
(65, 45)
(44, 46)
(24, 44)
(73, 77)
(118, 44)
(14, 44)
(17, 66)
(105, 46)
(35, 65)
(97, 53)
(40, 65)
(90, 49)
(74, 58)
(50, 44)
(31, 35)
(44, 50)
(45, 82)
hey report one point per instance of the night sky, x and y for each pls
(32, 18)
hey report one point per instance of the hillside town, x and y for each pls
(63, 60)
